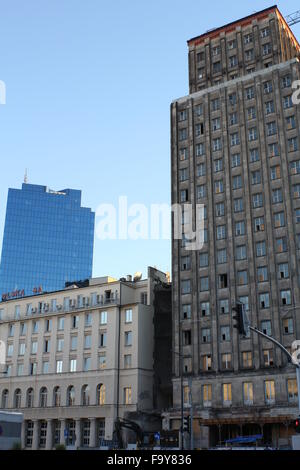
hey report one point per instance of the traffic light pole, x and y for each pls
(279, 345)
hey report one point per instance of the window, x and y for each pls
(127, 361)
(232, 44)
(257, 200)
(281, 245)
(256, 177)
(101, 394)
(268, 357)
(233, 119)
(61, 323)
(267, 48)
(200, 150)
(201, 170)
(199, 129)
(219, 187)
(241, 252)
(262, 274)
(199, 110)
(34, 347)
(277, 196)
(186, 286)
(207, 395)
(222, 256)
(59, 366)
(215, 104)
(293, 144)
(86, 364)
(182, 134)
(30, 398)
(232, 98)
(236, 160)
(261, 249)
(225, 333)
(275, 172)
(286, 297)
(290, 122)
(227, 395)
(128, 338)
(20, 369)
(238, 205)
(237, 182)
(249, 93)
(43, 397)
(265, 32)
(266, 327)
(183, 154)
(283, 271)
(187, 337)
(264, 300)
(128, 315)
(221, 232)
(203, 260)
(273, 150)
(186, 312)
(200, 56)
(47, 345)
(286, 81)
(242, 278)
(71, 396)
(87, 341)
(10, 350)
(226, 361)
(248, 393)
(268, 87)
(204, 284)
(220, 209)
(292, 390)
(247, 360)
(223, 281)
(205, 311)
(21, 349)
(201, 191)
(233, 61)
(271, 128)
(270, 391)
(251, 113)
(269, 107)
(223, 306)
(279, 219)
(48, 325)
(288, 326)
(205, 335)
(75, 321)
(287, 102)
(73, 343)
(234, 139)
(259, 224)
(17, 398)
(183, 174)
(219, 167)
(73, 364)
(45, 368)
(217, 67)
(56, 396)
(127, 395)
(206, 362)
(217, 144)
(182, 115)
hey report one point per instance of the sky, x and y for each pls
(89, 86)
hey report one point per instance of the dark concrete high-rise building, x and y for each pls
(236, 150)
(48, 241)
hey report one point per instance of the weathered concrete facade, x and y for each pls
(236, 149)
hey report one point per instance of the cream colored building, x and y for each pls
(78, 358)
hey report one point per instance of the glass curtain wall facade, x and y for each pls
(48, 241)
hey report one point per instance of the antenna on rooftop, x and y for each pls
(26, 176)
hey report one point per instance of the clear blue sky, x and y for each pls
(89, 84)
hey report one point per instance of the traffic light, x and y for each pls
(242, 322)
(186, 423)
(297, 425)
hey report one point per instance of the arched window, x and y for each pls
(56, 396)
(4, 401)
(43, 397)
(71, 396)
(101, 394)
(85, 395)
(17, 398)
(30, 398)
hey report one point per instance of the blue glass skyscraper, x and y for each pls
(48, 241)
